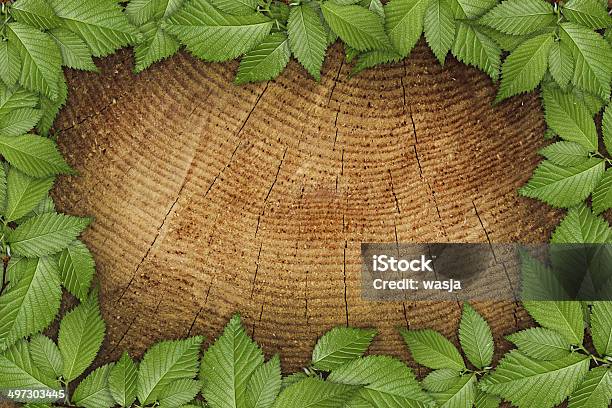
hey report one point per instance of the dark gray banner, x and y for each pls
(442, 272)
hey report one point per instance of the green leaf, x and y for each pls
(607, 128)
(520, 17)
(140, 12)
(357, 26)
(561, 63)
(563, 317)
(238, 7)
(529, 383)
(17, 370)
(44, 206)
(471, 9)
(601, 327)
(45, 234)
(122, 381)
(179, 392)
(19, 121)
(540, 343)
(441, 380)
(374, 5)
(266, 61)
(569, 118)
(227, 366)
(156, 45)
(101, 24)
(212, 35)
(340, 346)
(93, 391)
(81, 333)
(50, 108)
(75, 53)
(439, 26)
(565, 153)
(314, 393)
(564, 187)
(76, 267)
(476, 338)
(593, 56)
(10, 63)
(164, 363)
(34, 155)
(16, 98)
(373, 58)
(589, 13)
(307, 38)
(485, 400)
(31, 301)
(404, 23)
(602, 196)
(462, 393)
(581, 226)
(36, 13)
(430, 349)
(475, 48)
(595, 391)
(46, 356)
(264, 385)
(24, 193)
(42, 61)
(525, 67)
(385, 381)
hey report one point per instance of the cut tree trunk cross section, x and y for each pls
(211, 198)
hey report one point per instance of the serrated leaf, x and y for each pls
(164, 363)
(525, 67)
(156, 45)
(3, 191)
(385, 381)
(485, 400)
(76, 267)
(227, 366)
(264, 385)
(266, 61)
(17, 370)
(561, 64)
(430, 349)
(75, 53)
(404, 23)
(36, 156)
(462, 393)
(341, 345)
(93, 391)
(16, 98)
(357, 26)
(589, 13)
(46, 356)
(36, 13)
(581, 226)
(540, 343)
(19, 121)
(179, 392)
(563, 317)
(101, 24)
(564, 187)
(24, 193)
(471, 9)
(81, 333)
(439, 26)
(473, 47)
(31, 302)
(140, 12)
(595, 391)
(213, 35)
(476, 338)
(529, 383)
(520, 17)
(601, 327)
(41, 59)
(602, 196)
(10, 63)
(50, 108)
(314, 393)
(122, 381)
(374, 5)
(238, 7)
(440, 380)
(565, 153)
(45, 234)
(607, 128)
(373, 58)
(307, 38)
(44, 206)
(593, 56)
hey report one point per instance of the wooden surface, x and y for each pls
(211, 198)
